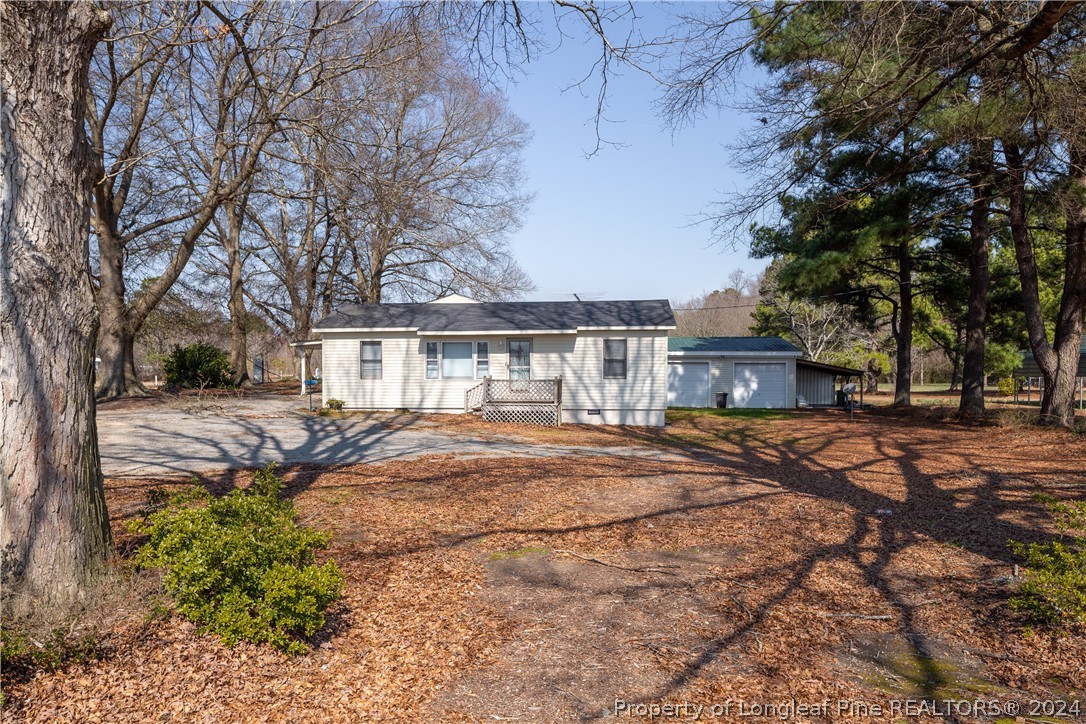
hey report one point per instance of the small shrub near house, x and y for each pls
(335, 405)
(240, 566)
(1055, 588)
(198, 366)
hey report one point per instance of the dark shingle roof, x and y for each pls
(721, 345)
(501, 316)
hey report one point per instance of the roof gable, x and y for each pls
(552, 317)
(454, 299)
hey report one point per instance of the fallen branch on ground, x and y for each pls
(590, 559)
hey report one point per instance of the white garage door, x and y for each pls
(759, 384)
(687, 384)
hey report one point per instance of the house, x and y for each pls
(732, 372)
(585, 362)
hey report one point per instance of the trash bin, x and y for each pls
(722, 399)
(842, 398)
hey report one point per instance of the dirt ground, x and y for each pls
(785, 557)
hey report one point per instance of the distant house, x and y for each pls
(587, 362)
(1029, 366)
(1031, 380)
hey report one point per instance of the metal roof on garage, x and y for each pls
(730, 345)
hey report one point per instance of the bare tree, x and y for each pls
(54, 530)
(819, 328)
(293, 264)
(426, 179)
(180, 92)
(727, 312)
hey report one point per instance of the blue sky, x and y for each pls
(619, 225)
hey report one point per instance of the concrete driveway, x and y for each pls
(189, 435)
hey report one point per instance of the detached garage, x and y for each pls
(751, 372)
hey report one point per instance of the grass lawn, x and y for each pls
(762, 556)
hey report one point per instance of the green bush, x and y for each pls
(241, 566)
(335, 404)
(1054, 591)
(198, 365)
(1006, 386)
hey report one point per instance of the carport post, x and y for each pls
(301, 355)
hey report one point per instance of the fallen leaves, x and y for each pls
(780, 566)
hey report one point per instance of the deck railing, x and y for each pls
(515, 399)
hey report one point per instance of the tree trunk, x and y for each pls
(239, 350)
(117, 376)
(871, 374)
(54, 530)
(904, 332)
(976, 321)
(1058, 361)
(117, 342)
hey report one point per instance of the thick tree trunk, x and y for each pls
(117, 376)
(1058, 361)
(117, 341)
(54, 530)
(904, 333)
(976, 321)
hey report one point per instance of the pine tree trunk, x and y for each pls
(904, 336)
(1057, 361)
(976, 321)
(54, 530)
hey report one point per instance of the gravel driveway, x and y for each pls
(189, 435)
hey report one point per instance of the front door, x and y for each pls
(520, 359)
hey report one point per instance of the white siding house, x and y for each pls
(750, 371)
(611, 357)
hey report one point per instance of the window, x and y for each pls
(431, 361)
(614, 358)
(482, 359)
(371, 361)
(520, 359)
(456, 360)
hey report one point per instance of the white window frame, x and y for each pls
(625, 358)
(362, 361)
(475, 361)
(509, 355)
(440, 359)
(436, 360)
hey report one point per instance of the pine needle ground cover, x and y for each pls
(762, 560)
